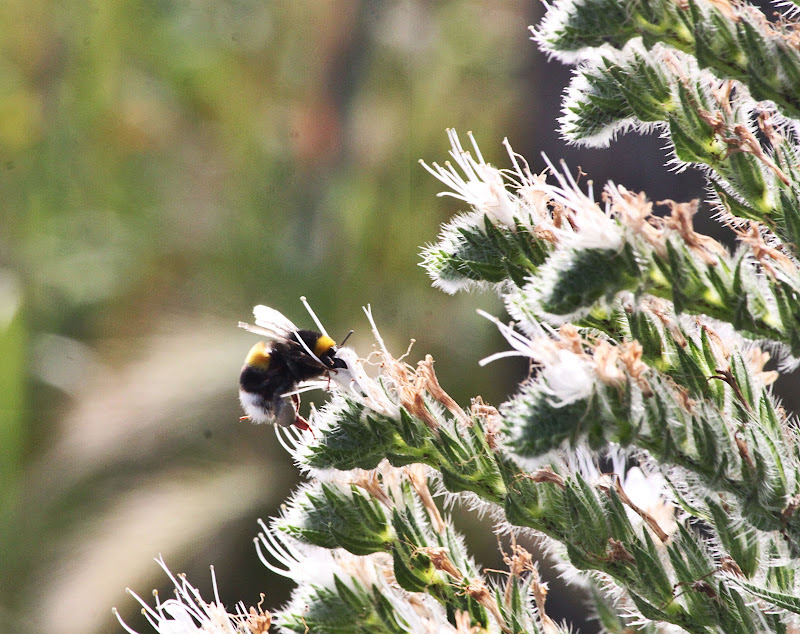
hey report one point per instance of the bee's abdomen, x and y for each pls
(257, 381)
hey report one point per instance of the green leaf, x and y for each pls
(588, 275)
(739, 540)
(782, 600)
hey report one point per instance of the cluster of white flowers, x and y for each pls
(312, 567)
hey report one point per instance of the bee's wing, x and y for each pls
(270, 319)
(267, 317)
(270, 323)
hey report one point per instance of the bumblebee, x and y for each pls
(273, 370)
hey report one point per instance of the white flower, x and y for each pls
(594, 228)
(648, 492)
(566, 375)
(188, 613)
(568, 378)
(313, 565)
(481, 185)
(529, 188)
(361, 385)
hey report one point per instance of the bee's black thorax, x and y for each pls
(291, 357)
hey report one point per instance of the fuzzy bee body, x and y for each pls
(272, 370)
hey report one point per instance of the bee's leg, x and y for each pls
(300, 422)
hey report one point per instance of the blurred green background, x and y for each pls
(164, 166)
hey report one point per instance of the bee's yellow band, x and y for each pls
(258, 356)
(324, 343)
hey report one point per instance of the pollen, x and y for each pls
(324, 343)
(258, 356)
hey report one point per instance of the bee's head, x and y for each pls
(325, 349)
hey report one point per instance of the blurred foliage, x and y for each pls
(164, 166)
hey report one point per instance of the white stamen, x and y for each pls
(368, 312)
(475, 147)
(500, 355)
(518, 341)
(320, 327)
(286, 442)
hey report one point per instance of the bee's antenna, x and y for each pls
(314, 316)
(344, 341)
